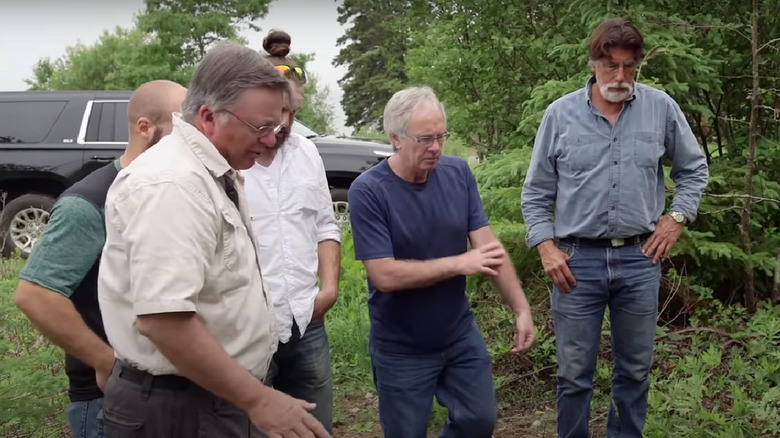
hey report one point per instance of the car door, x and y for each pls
(103, 133)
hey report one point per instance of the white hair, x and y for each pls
(399, 108)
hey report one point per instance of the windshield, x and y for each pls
(301, 129)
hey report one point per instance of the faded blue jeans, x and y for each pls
(301, 369)
(460, 377)
(84, 420)
(626, 281)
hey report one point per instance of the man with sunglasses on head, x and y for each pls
(298, 242)
(597, 170)
(412, 216)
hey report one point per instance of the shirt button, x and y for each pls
(613, 208)
(615, 163)
(614, 186)
(614, 139)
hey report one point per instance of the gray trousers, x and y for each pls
(137, 405)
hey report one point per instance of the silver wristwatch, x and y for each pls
(678, 217)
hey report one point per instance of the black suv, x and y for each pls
(51, 139)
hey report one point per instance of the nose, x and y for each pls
(269, 140)
(436, 145)
(620, 75)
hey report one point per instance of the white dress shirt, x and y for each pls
(176, 243)
(291, 212)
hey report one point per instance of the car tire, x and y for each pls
(340, 205)
(29, 211)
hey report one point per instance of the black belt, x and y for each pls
(607, 243)
(165, 381)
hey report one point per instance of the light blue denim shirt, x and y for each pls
(604, 181)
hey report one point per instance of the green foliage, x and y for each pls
(725, 384)
(374, 50)
(32, 379)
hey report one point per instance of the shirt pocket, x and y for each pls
(648, 149)
(306, 197)
(231, 227)
(581, 152)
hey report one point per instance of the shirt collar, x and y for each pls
(203, 148)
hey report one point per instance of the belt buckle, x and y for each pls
(618, 242)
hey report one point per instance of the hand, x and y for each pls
(525, 334)
(482, 260)
(323, 302)
(103, 372)
(555, 263)
(281, 416)
(661, 242)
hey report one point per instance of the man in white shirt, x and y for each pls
(298, 240)
(180, 288)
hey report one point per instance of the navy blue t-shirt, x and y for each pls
(408, 221)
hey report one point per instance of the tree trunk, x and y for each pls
(744, 226)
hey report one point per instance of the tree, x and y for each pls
(374, 52)
(170, 38)
(186, 29)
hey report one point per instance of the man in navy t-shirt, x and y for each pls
(412, 217)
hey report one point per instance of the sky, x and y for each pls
(28, 35)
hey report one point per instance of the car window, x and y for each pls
(107, 122)
(28, 122)
(301, 129)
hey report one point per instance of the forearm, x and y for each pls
(508, 284)
(58, 320)
(395, 275)
(183, 339)
(329, 264)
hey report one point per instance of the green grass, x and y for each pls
(32, 381)
(720, 378)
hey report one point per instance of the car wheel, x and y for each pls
(23, 221)
(340, 206)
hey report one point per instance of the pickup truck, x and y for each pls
(51, 139)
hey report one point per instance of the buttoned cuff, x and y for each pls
(538, 233)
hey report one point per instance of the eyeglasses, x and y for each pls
(288, 71)
(262, 130)
(428, 140)
(612, 67)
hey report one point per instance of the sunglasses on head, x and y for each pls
(288, 71)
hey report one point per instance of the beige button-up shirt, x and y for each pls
(175, 242)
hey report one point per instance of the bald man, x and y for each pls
(58, 286)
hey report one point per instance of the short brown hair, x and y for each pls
(616, 32)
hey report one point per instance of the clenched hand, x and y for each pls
(555, 263)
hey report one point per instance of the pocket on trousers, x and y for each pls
(119, 425)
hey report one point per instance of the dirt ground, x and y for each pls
(358, 418)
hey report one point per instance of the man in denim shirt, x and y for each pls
(596, 166)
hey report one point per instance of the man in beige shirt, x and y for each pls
(180, 288)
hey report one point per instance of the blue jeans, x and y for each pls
(460, 377)
(83, 418)
(626, 281)
(301, 369)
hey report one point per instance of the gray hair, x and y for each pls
(399, 108)
(225, 72)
